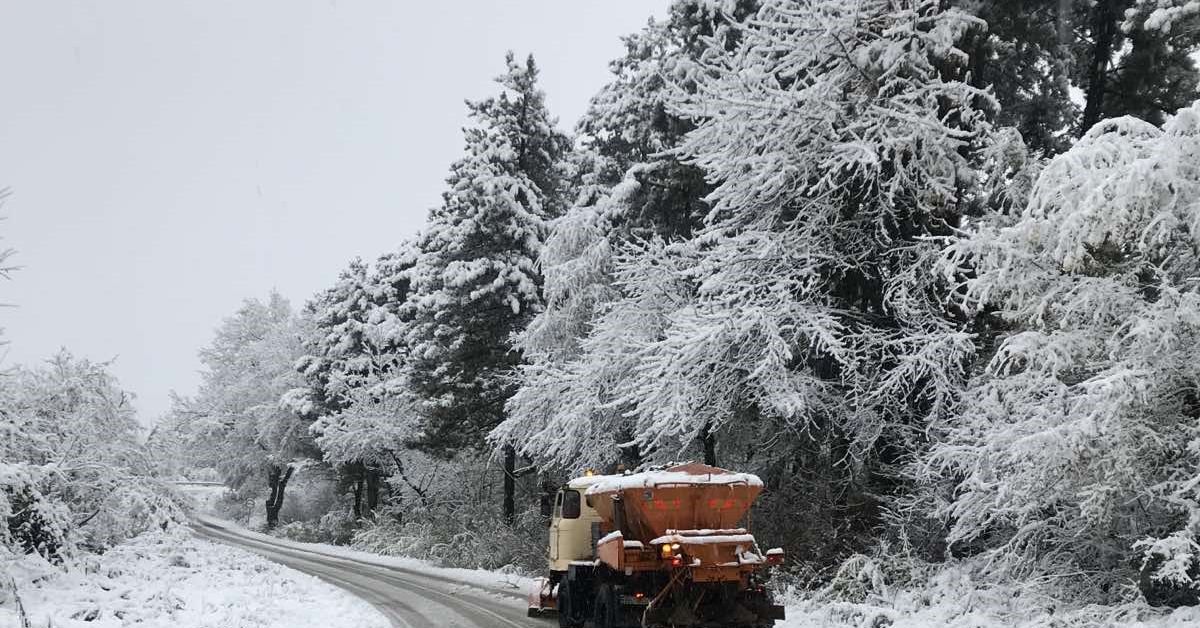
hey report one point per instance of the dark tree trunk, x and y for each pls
(373, 482)
(277, 480)
(1104, 34)
(546, 499)
(629, 456)
(358, 494)
(710, 446)
(510, 484)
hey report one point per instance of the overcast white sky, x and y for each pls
(169, 158)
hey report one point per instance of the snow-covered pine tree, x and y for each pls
(1024, 58)
(1127, 57)
(1079, 439)
(1127, 63)
(844, 138)
(632, 187)
(353, 369)
(337, 357)
(631, 127)
(476, 280)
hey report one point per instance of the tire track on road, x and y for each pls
(408, 599)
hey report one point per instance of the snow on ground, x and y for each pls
(824, 614)
(204, 495)
(952, 600)
(175, 580)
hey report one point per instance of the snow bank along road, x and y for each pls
(408, 598)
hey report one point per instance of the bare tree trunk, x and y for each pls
(358, 493)
(710, 445)
(629, 456)
(373, 481)
(277, 480)
(546, 498)
(510, 484)
(1104, 33)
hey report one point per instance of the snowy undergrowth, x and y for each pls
(953, 598)
(174, 579)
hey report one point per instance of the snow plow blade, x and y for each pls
(542, 599)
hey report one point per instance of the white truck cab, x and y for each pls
(573, 525)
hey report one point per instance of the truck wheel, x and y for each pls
(605, 615)
(566, 614)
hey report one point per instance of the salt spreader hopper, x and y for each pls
(655, 549)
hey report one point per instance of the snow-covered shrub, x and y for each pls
(33, 523)
(453, 517)
(74, 475)
(461, 537)
(336, 526)
(1075, 450)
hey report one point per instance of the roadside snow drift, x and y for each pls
(174, 579)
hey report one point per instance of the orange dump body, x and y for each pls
(651, 511)
(695, 506)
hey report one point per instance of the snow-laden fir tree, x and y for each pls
(338, 353)
(632, 129)
(476, 280)
(354, 374)
(632, 187)
(1025, 58)
(1079, 440)
(1133, 57)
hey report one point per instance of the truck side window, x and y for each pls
(570, 505)
(558, 501)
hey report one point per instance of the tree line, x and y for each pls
(928, 268)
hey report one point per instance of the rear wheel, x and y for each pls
(566, 614)
(605, 609)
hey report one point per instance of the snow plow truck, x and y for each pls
(657, 549)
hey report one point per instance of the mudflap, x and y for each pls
(542, 598)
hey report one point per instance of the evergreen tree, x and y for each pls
(1130, 61)
(1024, 58)
(337, 356)
(633, 131)
(1127, 57)
(476, 280)
(1078, 440)
(350, 367)
(634, 186)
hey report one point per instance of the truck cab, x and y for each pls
(574, 525)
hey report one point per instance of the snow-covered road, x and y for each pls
(408, 598)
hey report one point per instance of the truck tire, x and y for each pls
(566, 611)
(605, 609)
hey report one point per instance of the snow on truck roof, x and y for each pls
(695, 474)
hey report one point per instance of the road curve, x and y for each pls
(407, 598)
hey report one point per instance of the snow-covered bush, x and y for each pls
(1075, 450)
(73, 475)
(472, 537)
(450, 515)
